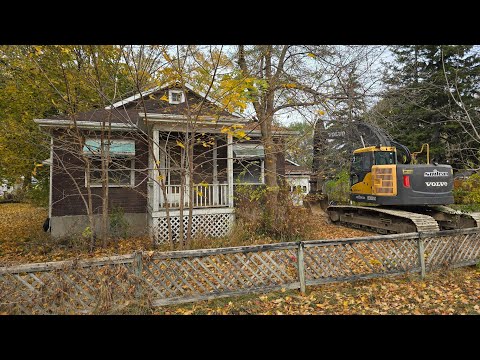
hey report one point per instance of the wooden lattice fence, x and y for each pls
(103, 284)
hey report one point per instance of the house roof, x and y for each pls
(253, 128)
(292, 162)
(292, 168)
(130, 112)
(127, 102)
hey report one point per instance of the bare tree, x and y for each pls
(309, 80)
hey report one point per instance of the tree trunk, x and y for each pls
(181, 230)
(104, 224)
(91, 218)
(270, 172)
(190, 190)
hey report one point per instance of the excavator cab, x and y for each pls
(372, 173)
(376, 177)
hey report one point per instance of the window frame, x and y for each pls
(170, 97)
(114, 157)
(262, 171)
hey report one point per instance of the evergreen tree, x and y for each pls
(418, 108)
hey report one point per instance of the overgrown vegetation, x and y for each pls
(118, 223)
(22, 239)
(467, 194)
(338, 189)
(38, 194)
(252, 219)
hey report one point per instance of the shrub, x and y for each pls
(118, 223)
(285, 223)
(36, 194)
(468, 192)
(338, 189)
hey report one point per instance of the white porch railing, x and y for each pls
(204, 196)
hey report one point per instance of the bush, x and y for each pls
(285, 223)
(338, 189)
(468, 192)
(118, 223)
(35, 194)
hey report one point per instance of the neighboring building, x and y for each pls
(144, 144)
(299, 179)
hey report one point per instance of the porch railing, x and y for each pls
(204, 196)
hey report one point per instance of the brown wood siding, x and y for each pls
(222, 161)
(65, 197)
(154, 104)
(281, 158)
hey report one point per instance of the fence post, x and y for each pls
(421, 254)
(301, 267)
(137, 270)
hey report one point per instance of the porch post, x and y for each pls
(156, 173)
(230, 169)
(215, 174)
(50, 186)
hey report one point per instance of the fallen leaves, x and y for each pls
(22, 239)
(450, 292)
(441, 293)
(320, 228)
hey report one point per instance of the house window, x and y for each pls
(248, 171)
(120, 172)
(248, 163)
(175, 96)
(121, 163)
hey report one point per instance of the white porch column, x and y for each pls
(156, 166)
(215, 174)
(50, 185)
(230, 169)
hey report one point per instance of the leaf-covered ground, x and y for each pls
(22, 238)
(447, 292)
(450, 292)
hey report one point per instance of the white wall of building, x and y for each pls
(303, 182)
(299, 180)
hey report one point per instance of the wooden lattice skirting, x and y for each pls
(217, 224)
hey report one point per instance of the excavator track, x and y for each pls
(449, 218)
(476, 217)
(428, 218)
(382, 220)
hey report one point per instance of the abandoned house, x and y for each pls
(147, 164)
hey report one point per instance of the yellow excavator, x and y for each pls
(394, 193)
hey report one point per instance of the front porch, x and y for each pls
(216, 167)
